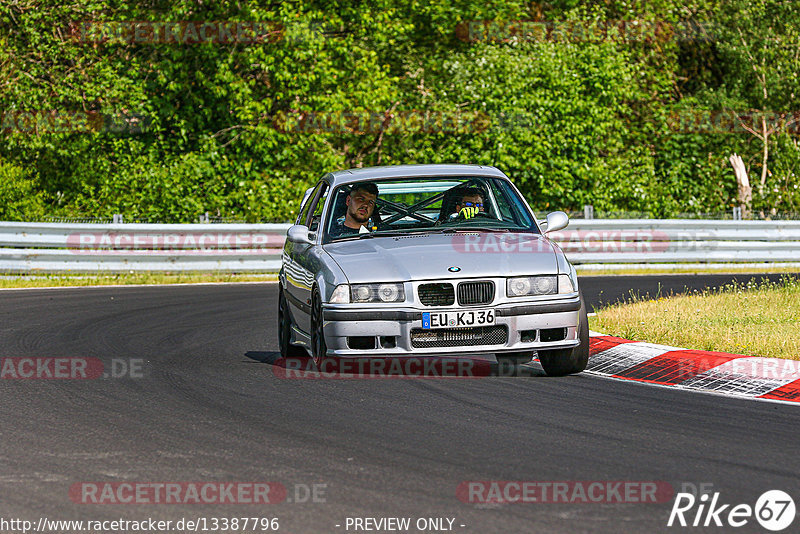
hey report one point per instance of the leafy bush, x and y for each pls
(573, 120)
(20, 195)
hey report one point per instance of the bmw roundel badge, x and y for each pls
(454, 269)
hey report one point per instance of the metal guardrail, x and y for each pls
(65, 247)
(675, 241)
(59, 247)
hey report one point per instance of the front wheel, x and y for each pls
(285, 330)
(319, 349)
(569, 361)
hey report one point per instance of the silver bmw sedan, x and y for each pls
(428, 260)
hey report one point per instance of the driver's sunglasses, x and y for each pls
(473, 204)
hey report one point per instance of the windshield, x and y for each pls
(409, 205)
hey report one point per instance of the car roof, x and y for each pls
(409, 171)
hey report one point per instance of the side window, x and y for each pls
(504, 205)
(302, 218)
(516, 211)
(316, 215)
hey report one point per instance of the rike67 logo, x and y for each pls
(774, 510)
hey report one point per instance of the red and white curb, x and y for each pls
(714, 372)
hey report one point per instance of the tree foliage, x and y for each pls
(584, 113)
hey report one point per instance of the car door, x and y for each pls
(301, 260)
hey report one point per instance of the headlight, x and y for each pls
(389, 292)
(377, 293)
(565, 284)
(525, 286)
(361, 293)
(518, 287)
(340, 295)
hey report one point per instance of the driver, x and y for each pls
(360, 206)
(470, 205)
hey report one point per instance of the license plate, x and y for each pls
(457, 319)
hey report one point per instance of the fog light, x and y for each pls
(553, 334)
(528, 336)
(361, 342)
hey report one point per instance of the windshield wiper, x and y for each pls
(383, 233)
(469, 229)
(423, 231)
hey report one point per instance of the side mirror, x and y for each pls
(299, 234)
(556, 220)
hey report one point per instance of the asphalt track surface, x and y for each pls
(210, 408)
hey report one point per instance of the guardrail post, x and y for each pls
(117, 219)
(588, 211)
(204, 218)
(737, 213)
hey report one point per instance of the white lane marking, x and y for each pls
(743, 377)
(624, 356)
(34, 477)
(747, 376)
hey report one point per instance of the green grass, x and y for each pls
(81, 280)
(755, 319)
(729, 269)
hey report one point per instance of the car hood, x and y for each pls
(429, 256)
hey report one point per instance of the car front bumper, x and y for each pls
(398, 332)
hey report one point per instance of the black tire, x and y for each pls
(319, 348)
(284, 330)
(569, 361)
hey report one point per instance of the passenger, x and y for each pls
(360, 207)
